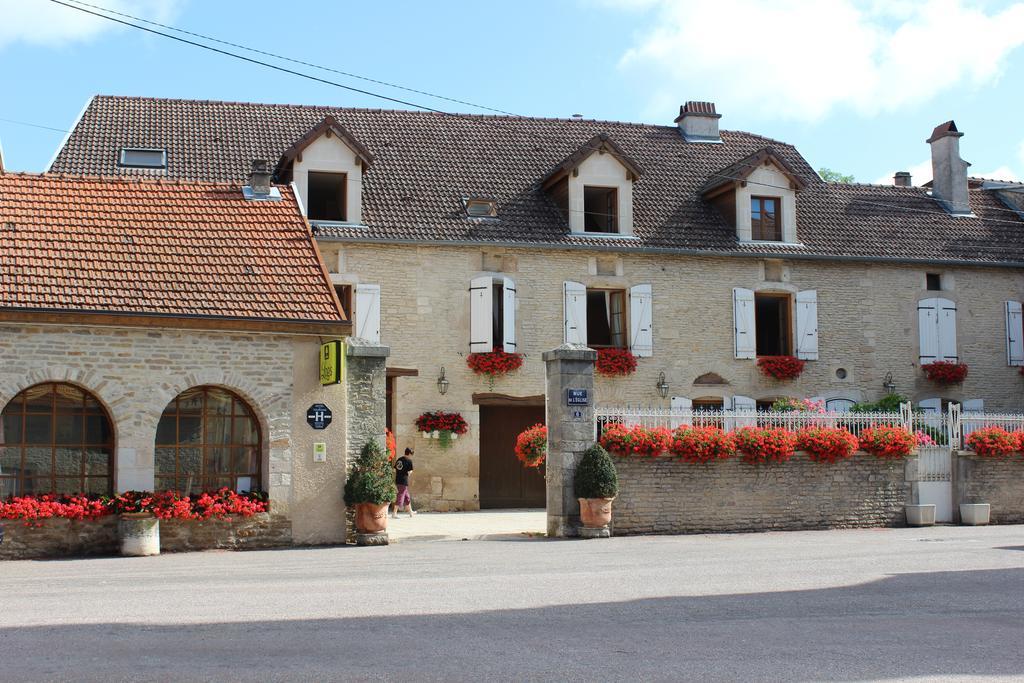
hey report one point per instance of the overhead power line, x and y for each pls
(33, 125)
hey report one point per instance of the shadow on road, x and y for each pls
(939, 624)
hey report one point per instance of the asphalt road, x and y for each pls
(921, 604)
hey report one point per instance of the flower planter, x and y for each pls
(596, 513)
(425, 435)
(435, 434)
(920, 515)
(139, 534)
(975, 514)
(371, 518)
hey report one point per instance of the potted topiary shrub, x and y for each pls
(596, 485)
(370, 488)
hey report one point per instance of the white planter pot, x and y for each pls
(455, 437)
(920, 515)
(435, 435)
(975, 514)
(425, 435)
(139, 534)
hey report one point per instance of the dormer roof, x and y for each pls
(329, 126)
(601, 142)
(742, 169)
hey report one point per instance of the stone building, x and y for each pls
(697, 248)
(165, 334)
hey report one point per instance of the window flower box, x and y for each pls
(615, 362)
(945, 372)
(780, 367)
(494, 364)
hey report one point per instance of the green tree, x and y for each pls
(830, 176)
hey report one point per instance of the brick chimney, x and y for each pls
(259, 179)
(949, 171)
(902, 179)
(698, 122)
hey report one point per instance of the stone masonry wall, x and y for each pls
(867, 315)
(997, 481)
(667, 496)
(68, 538)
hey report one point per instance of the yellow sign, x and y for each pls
(332, 362)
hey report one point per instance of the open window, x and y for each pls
(766, 218)
(773, 323)
(606, 318)
(327, 196)
(492, 312)
(600, 209)
(610, 318)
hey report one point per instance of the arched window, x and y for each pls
(207, 438)
(55, 438)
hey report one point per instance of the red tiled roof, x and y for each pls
(157, 247)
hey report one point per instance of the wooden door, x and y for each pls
(504, 482)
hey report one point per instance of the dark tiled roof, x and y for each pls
(424, 163)
(157, 247)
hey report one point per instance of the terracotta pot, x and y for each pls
(371, 518)
(596, 513)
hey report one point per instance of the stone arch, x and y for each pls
(111, 395)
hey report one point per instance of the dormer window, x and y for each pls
(137, 157)
(327, 196)
(480, 208)
(766, 218)
(600, 209)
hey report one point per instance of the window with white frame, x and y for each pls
(611, 318)
(775, 324)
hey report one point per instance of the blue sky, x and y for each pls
(857, 86)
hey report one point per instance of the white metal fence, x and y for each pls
(948, 429)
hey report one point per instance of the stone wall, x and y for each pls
(996, 481)
(56, 538)
(667, 496)
(867, 314)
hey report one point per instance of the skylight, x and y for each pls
(480, 208)
(137, 157)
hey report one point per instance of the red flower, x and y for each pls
(442, 422)
(945, 372)
(887, 442)
(639, 440)
(495, 363)
(760, 445)
(532, 445)
(780, 367)
(993, 442)
(702, 444)
(615, 362)
(164, 505)
(826, 444)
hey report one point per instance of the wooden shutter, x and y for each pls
(681, 412)
(508, 314)
(807, 324)
(930, 405)
(1014, 334)
(575, 313)
(947, 330)
(973, 405)
(641, 331)
(481, 308)
(746, 408)
(743, 323)
(368, 313)
(928, 330)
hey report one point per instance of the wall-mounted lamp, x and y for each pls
(888, 384)
(662, 385)
(442, 383)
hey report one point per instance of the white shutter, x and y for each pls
(575, 313)
(641, 331)
(743, 322)
(807, 324)
(681, 412)
(930, 405)
(973, 405)
(744, 410)
(508, 315)
(481, 308)
(368, 313)
(1014, 334)
(947, 330)
(928, 330)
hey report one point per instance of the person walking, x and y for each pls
(403, 466)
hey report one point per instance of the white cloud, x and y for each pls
(919, 174)
(802, 59)
(40, 22)
(1001, 173)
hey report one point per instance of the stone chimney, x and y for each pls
(259, 179)
(698, 122)
(949, 171)
(902, 179)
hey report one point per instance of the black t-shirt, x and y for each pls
(403, 466)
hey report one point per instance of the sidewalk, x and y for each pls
(470, 526)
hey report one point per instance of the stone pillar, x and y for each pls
(366, 386)
(366, 419)
(570, 432)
